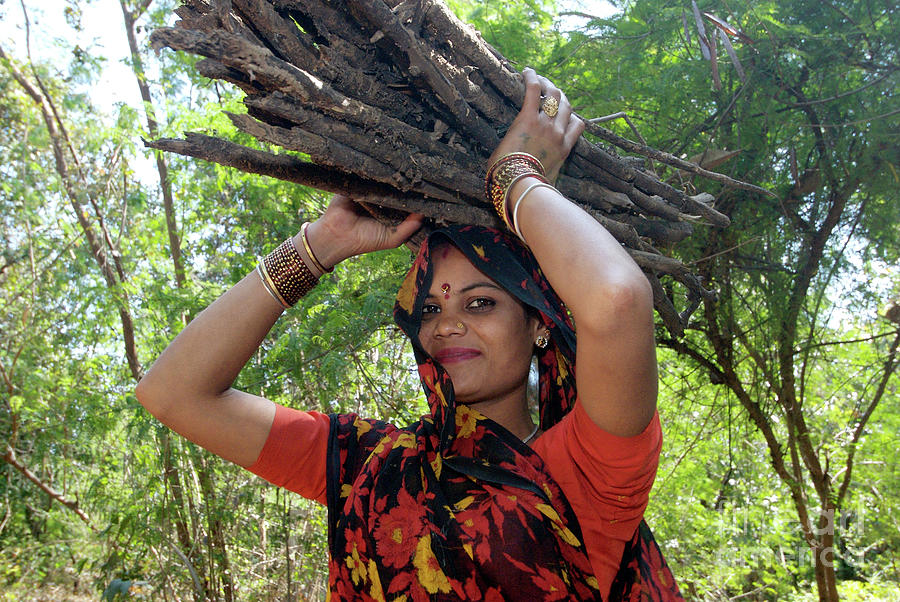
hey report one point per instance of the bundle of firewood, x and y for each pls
(399, 105)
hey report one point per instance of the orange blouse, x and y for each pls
(606, 478)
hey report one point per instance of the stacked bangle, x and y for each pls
(505, 172)
(285, 275)
(501, 177)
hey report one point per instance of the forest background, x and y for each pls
(779, 477)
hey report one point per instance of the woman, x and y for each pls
(474, 501)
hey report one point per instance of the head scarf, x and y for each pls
(455, 506)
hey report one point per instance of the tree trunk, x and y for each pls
(218, 551)
(176, 508)
(826, 581)
(137, 66)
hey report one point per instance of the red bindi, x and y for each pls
(445, 288)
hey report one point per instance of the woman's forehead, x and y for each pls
(449, 262)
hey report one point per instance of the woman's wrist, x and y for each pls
(324, 248)
(517, 188)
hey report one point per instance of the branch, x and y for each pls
(874, 337)
(887, 372)
(668, 159)
(12, 460)
(137, 67)
(110, 275)
(847, 123)
(843, 94)
(405, 102)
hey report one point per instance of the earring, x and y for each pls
(543, 339)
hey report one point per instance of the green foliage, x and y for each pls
(724, 518)
(522, 28)
(815, 121)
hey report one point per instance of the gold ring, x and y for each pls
(550, 106)
(460, 325)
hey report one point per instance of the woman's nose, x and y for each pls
(449, 325)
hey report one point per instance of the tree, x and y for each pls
(62, 177)
(76, 442)
(66, 404)
(806, 100)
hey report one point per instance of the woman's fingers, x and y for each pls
(574, 129)
(348, 220)
(565, 111)
(547, 130)
(399, 234)
(532, 101)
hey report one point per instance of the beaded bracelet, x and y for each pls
(519, 159)
(285, 275)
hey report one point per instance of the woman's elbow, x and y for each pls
(150, 395)
(629, 301)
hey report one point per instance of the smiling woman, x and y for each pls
(482, 337)
(472, 501)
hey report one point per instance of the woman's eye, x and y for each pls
(430, 308)
(481, 304)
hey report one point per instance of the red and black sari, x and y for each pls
(454, 506)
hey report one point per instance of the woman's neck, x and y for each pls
(510, 411)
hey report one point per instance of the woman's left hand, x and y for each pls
(550, 139)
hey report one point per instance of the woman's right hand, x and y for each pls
(346, 230)
(550, 139)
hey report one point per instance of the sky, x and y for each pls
(104, 32)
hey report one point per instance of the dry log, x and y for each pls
(398, 105)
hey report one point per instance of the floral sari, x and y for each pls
(454, 506)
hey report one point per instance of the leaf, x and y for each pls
(725, 27)
(733, 56)
(701, 31)
(115, 589)
(714, 63)
(713, 157)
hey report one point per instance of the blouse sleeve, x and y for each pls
(607, 480)
(294, 454)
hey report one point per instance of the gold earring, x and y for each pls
(543, 340)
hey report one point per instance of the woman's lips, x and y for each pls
(456, 354)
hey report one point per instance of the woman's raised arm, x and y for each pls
(189, 386)
(608, 295)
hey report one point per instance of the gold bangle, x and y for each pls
(267, 283)
(517, 157)
(503, 179)
(309, 251)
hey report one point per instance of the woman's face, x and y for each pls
(476, 330)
